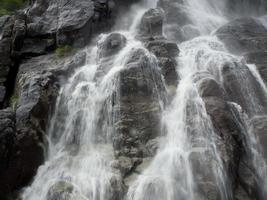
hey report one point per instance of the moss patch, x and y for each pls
(64, 50)
(14, 102)
(9, 6)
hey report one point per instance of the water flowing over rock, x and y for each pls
(134, 100)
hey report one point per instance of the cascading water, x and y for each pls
(188, 160)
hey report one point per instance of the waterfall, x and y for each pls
(188, 163)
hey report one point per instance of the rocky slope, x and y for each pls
(32, 71)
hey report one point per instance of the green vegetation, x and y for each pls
(63, 50)
(9, 6)
(14, 101)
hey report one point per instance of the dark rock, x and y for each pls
(174, 11)
(209, 87)
(36, 91)
(151, 23)
(7, 137)
(70, 22)
(246, 7)
(243, 35)
(176, 19)
(111, 45)
(2, 94)
(260, 60)
(36, 47)
(5, 64)
(243, 88)
(63, 190)
(258, 126)
(3, 20)
(141, 90)
(163, 48)
(230, 135)
(18, 34)
(20, 155)
(37, 86)
(166, 52)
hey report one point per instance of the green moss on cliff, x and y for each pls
(14, 102)
(63, 50)
(9, 6)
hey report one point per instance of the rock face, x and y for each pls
(31, 74)
(22, 132)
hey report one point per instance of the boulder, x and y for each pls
(166, 52)
(209, 87)
(243, 35)
(111, 45)
(151, 23)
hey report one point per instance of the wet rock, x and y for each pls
(63, 191)
(208, 87)
(243, 35)
(176, 19)
(37, 87)
(127, 165)
(3, 20)
(20, 155)
(140, 89)
(7, 136)
(36, 91)
(260, 60)
(246, 7)
(18, 34)
(163, 48)
(166, 52)
(112, 44)
(247, 179)
(36, 47)
(5, 64)
(69, 21)
(243, 88)
(151, 23)
(258, 126)
(229, 132)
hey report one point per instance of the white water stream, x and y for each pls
(80, 151)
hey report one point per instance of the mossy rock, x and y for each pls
(64, 50)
